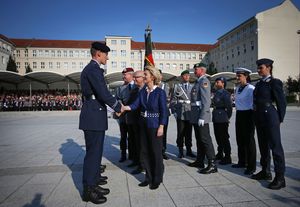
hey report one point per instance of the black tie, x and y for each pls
(185, 86)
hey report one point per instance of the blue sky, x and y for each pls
(179, 21)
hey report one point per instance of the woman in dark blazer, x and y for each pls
(152, 103)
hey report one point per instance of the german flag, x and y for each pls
(148, 48)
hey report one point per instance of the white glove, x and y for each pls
(175, 115)
(201, 122)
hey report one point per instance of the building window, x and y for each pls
(73, 65)
(162, 55)
(167, 55)
(46, 53)
(18, 65)
(178, 56)
(161, 66)
(132, 55)
(123, 53)
(76, 53)
(139, 55)
(181, 66)
(238, 50)
(188, 56)
(50, 65)
(34, 65)
(113, 42)
(168, 66)
(82, 53)
(123, 64)
(58, 53)
(18, 53)
(113, 64)
(34, 53)
(244, 45)
(114, 53)
(65, 53)
(66, 65)
(3, 59)
(132, 65)
(156, 55)
(172, 55)
(81, 64)
(26, 53)
(70, 53)
(123, 42)
(58, 65)
(200, 57)
(52, 53)
(42, 65)
(139, 66)
(183, 56)
(187, 66)
(174, 65)
(41, 53)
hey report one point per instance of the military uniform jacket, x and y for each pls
(132, 117)
(93, 115)
(222, 106)
(200, 100)
(180, 101)
(122, 95)
(265, 94)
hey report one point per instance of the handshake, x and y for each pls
(123, 109)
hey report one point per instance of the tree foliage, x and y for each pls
(11, 65)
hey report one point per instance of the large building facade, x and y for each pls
(273, 33)
(7, 48)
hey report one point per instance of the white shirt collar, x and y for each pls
(154, 87)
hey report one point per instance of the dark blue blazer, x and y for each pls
(265, 94)
(93, 115)
(157, 103)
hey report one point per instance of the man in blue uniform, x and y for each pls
(93, 121)
(267, 91)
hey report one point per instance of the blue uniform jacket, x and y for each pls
(157, 103)
(93, 115)
(265, 94)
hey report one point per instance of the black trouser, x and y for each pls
(204, 143)
(151, 156)
(165, 137)
(244, 127)
(222, 138)
(123, 140)
(269, 138)
(134, 142)
(184, 133)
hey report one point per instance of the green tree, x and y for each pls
(11, 65)
(293, 85)
(211, 69)
(28, 69)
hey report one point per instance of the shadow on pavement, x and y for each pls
(36, 202)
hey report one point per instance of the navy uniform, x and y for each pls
(180, 105)
(221, 115)
(200, 118)
(244, 124)
(93, 121)
(166, 88)
(269, 91)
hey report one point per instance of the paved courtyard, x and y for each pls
(41, 156)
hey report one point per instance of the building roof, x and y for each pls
(172, 46)
(52, 43)
(6, 39)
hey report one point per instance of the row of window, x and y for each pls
(115, 42)
(52, 65)
(161, 66)
(5, 46)
(170, 56)
(237, 51)
(54, 53)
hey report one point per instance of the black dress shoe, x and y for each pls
(249, 172)
(102, 167)
(277, 183)
(211, 168)
(196, 164)
(122, 159)
(144, 184)
(101, 182)
(225, 161)
(103, 191)
(238, 165)
(262, 175)
(154, 186)
(91, 194)
(165, 157)
(103, 178)
(137, 171)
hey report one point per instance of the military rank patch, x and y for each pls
(205, 84)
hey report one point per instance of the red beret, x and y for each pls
(126, 70)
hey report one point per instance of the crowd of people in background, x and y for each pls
(40, 100)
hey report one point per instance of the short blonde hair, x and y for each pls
(155, 73)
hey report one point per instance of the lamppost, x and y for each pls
(298, 32)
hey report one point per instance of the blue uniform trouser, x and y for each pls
(269, 138)
(94, 149)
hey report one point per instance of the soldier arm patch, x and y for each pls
(205, 84)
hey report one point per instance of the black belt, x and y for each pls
(223, 108)
(91, 97)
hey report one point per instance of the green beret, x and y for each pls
(199, 65)
(185, 72)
